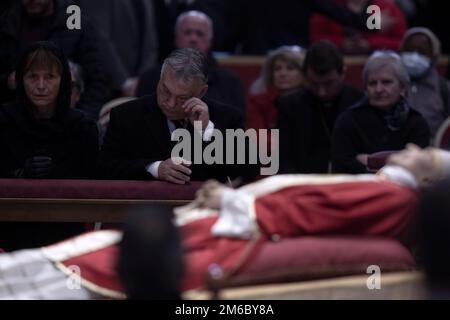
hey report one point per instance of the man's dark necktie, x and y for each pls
(179, 124)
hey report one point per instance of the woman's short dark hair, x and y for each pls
(42, 58)
(47, 56)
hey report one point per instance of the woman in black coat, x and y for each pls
(383, 121)
(41, 137)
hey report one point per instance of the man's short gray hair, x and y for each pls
(188, 65)
(386, 58)
(197, 14)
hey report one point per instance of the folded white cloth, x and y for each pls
(237, 217)
(399, 176)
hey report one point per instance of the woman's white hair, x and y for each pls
(386, 59)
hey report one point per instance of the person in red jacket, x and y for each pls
(352, 41)
(281, 74)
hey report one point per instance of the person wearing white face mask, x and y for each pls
(416, 64)
(429, 93)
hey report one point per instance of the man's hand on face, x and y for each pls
(196, 110)
(175, 171)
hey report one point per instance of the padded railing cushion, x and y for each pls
(442, 138)
(248, 68)
(309, 258)
(96, 189)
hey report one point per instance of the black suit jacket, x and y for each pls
(138, 135)
(305, 129)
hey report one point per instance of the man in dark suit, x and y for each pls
(138, 143)
(306, 117)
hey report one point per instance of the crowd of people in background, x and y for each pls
(162, 57)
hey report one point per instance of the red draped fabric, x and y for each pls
(354, 208)
(350, 208)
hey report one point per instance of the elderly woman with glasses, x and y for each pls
(382, 121)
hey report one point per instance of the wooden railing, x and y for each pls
(248, 68)
(86, 200)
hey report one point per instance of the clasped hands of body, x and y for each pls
(177, 170)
